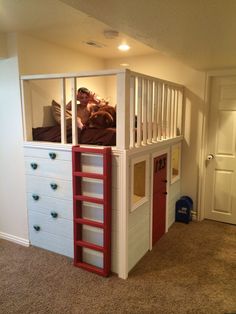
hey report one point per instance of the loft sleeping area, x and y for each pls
(123, 108)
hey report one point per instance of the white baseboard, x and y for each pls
(12, 238)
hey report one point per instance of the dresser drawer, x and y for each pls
(48, 186)
(61, 169)
(52, 242)
(46, 205)
(49, 154)
(46, 223)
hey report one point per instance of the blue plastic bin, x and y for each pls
(183, 209)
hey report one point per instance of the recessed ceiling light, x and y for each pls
(124, 47)
(95, 44)
(124, 64)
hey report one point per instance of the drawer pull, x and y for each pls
(35, 197)
(53, 186)
(54, 214)
(52, 155)
(36, 227)
(33, 165)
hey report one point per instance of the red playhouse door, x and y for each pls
(159, 198)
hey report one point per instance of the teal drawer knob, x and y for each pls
(33, 165)
(36, 227)
(53, 186)
(35, 197)
(52, 155)
(54, 214)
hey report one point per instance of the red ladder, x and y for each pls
(79, 198)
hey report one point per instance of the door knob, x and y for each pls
(210, 156)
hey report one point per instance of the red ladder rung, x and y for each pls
(91, 246)
(89, 222)
(89, 199)
(89, 175)
(91, 268)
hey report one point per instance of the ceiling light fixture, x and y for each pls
(110, 34)
(95, 44)
(124, 47)
(124, 64)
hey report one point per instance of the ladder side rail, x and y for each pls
(107, 210)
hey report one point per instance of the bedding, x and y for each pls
(94, 136)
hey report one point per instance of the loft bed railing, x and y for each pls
(149, 109)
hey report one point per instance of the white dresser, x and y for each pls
(50, 198)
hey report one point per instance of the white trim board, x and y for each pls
(15, 239)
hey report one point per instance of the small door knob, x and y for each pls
(52, 155)
(53, 186)
(33, 165)
(210, 156)
(35, 197)
(54, 214)
(165, 193)
(36, 227)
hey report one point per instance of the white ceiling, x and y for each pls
(200, 33)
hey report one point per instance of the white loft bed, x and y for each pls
(149, 123)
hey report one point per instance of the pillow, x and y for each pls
(56, 112)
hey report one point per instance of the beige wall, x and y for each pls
(167, 68)
(13, 214)
(26, 56)
(3, 46)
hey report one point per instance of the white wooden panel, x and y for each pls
(222, 191)
(44, 153)
(92, 187)
(49, 168)
(41, 186)
(92, 211)
(227, 97)
(92, 257)
(92, 235)
(51, 242)
(226, 133)
(92, 163)
(57, 226)
(46, 205)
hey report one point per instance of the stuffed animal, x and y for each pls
(104, 118)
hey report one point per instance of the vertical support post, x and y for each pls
(26, 107)
(144, 110)
(132, 111)
(164, 111)
(155, 111)
(150, 110)
(139, 112)
(160, 111)
(123, 110)
(74, 111)
(63, 111)
(123, 217)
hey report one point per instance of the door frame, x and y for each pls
(153, 156)
(203, 152)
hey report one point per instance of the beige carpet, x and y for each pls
(192, 269)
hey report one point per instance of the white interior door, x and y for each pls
(220, 200)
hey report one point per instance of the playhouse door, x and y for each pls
(159, 198)
(220, 194)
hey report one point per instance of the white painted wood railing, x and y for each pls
(155, 110)
(148, 109)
